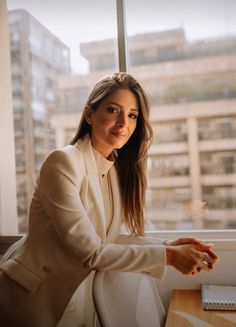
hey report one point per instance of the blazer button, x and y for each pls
(46, 269)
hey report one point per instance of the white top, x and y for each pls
(104, 167)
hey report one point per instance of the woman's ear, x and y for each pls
(88, 115)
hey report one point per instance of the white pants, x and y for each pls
(80, 311)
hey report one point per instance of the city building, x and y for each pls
(191, 86)
(37, 58)
(192, 160)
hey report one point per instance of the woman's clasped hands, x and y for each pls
(190, 255)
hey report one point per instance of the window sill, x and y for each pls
(222, 239)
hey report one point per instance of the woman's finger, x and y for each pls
(191, 240)
(212, 254)
(206, 248)
(209, 251)
(186, 240)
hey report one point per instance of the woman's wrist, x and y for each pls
(169, 255)
(166, 242)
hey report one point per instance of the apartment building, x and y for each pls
(37, 58)
(192, 91)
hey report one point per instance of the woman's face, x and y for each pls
(114, 121)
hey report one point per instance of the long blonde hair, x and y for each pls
(132, 157)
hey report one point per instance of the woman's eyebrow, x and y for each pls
(114, 103)
(117, 104)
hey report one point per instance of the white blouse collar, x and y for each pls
(103, 164)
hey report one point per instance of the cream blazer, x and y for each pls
(67, 238)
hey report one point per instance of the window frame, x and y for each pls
(8, 213)
(225, 237)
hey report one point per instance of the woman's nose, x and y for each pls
(121, 121)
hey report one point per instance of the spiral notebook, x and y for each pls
(218, 297)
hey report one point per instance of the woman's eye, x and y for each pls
(111, 109)
(133, 116)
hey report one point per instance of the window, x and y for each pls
(217, 128)
(50, 55)
(188, 72)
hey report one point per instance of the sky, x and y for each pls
(76, 21)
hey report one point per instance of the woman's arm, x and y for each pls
(146, 240)
(59, 192)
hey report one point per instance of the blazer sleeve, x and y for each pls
(58, 189)
(126, 239)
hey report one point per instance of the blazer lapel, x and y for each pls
(114, 228)
(96, 210)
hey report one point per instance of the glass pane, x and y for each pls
(56, 57)
(184, 52)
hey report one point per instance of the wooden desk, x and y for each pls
(185, 310)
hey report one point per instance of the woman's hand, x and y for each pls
(183, 240)
(190, 257)
(204, 247)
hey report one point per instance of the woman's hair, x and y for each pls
(132, 157)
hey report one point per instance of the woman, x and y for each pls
(84, 193)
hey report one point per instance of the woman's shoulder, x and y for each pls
(72, 151)
(68, 152)
(68, 157)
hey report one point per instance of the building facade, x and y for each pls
(192, 91)
(37, 58)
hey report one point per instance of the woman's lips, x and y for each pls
(118, 134)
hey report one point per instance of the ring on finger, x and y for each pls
(206, 260)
